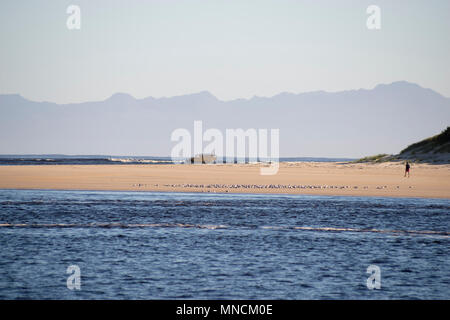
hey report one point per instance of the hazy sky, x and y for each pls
(234, 49)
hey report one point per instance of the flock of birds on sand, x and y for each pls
(259, 186)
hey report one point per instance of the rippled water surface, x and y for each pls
(146, 245)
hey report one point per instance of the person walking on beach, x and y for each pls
(407, 168)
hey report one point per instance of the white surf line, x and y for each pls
(333, 229)
(113, 225)
(213, 227)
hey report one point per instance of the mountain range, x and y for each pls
(350, 123)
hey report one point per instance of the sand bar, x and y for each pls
(384, 179)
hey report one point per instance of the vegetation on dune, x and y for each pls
(437, 144)
(376, 158)
(433, 149)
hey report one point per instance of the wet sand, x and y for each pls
(319, 178)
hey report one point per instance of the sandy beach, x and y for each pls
(384, 179)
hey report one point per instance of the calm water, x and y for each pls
(49, 159)
(194, 246)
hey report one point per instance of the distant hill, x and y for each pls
(347, 124)
(433, 149)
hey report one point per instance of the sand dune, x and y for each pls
(361, 179)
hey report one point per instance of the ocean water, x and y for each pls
(46, 159)
(144, 245)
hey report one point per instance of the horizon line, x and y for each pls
(230, 100)
(148, 156)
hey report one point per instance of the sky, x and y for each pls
(233, 49)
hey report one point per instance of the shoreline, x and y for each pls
(308, 178)
(231, 193)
